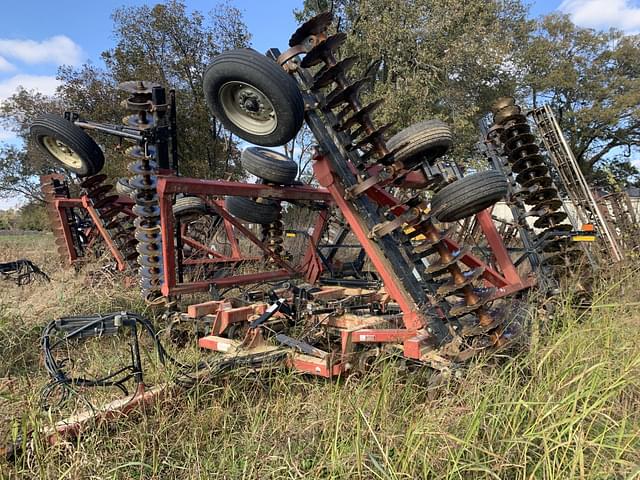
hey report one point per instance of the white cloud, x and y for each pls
(45, 84)
(604, 14)
(6, 66)
(58, 50)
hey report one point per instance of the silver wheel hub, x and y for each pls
(248, 108)
(62, 152)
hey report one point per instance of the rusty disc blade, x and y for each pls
(137, 152)
(105, 201)
(100, 190)
(527, 162)
(513, 129)
(342, 95)
(549, 205)
(523, 151)
(373, 136)
(518, 119)
(313, 26)
(543, 181)
(328, 75)
(359, 116)
(550, 219)
(323, 50)
(541, 195)
(527, 174)
(136, 121)
(518, 140)
(506, 113)
(502, 102)
(137, 86)
(494, 132)
(95, 180)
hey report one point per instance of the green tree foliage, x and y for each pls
(452, 59)
(21, 165)
(440, 58)
(592, 79)
(32, 216)
(165, 43)
(7, 219)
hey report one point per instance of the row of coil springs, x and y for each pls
(273, 234)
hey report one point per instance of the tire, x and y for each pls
(270, 166)
(68, 145)
(468, 196)
(123, 187)
(190, 207)
(274, 97)
(249, 210)
(422, 142)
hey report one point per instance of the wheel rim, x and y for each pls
(248, 108)
(273, 155)
(63, 152)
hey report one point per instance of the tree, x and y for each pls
(32, 216)
(164, 43)
(173, 47)
(439, 58)
(21, 164)
(592, 80)
(616, 174)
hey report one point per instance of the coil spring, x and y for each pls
(273, 235)
(143, 181)
(356, 126)
(511, 133)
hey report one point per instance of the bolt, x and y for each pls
(252, 104)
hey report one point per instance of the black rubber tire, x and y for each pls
(190, 207)
(123, 187)
(249, 210)
(270, 166)
(252, 68)
(422, 142)
(57, 127)
(468, 196)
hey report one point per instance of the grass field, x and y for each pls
(566, 407)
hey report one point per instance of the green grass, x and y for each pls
(567, 407)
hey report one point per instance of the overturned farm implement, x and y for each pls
(400, 203)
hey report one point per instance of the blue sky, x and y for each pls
(37, 36)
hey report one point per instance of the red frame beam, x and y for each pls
(169, 185)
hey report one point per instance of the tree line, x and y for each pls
(427, 58)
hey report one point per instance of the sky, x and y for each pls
(37, 36)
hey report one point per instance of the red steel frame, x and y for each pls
(60, 205)
(414, 334)
(169, 185)
(217, 257)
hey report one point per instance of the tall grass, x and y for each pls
(565, 408)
